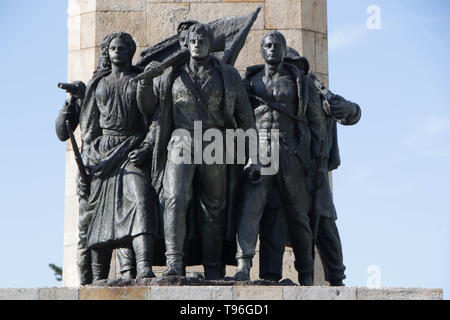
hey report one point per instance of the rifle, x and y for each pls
(76, 89)
(84, 173)
(158, 70)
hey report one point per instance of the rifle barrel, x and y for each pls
(83, 171)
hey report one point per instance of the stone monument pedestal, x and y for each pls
(230, 292)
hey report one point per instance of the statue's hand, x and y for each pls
(139, 156)
(254, 173)
(152, 70)
(342, 110)
(83, 188)
(69, 106)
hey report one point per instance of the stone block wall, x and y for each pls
(303, 22)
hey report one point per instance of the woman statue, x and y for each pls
(120, 198)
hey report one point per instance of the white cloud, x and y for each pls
(346, 36)
(429, 136)
(437, 124)
(433, 125)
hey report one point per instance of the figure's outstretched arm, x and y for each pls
(146, 99)
(147, 91)
(335, 106)
(344, 111)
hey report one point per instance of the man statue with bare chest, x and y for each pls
(285, 102)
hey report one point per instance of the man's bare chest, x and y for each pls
(281, 90)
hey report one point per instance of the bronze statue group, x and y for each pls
(156, 211)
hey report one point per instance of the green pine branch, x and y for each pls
(57, 270)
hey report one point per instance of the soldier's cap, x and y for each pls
(294, 57)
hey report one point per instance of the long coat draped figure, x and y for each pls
(237, 114)
(121, 199)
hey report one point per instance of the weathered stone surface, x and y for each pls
(113, 293)
(92, 293)
(74, 35)
(321, 53)
(319, 276)
(137, 56)
(163, 19)
(258, 293)
(295, 39)
(164, 1)
(71, 176)
(254, 271)
(135, 293)
(114, 268)
(77, 7)
(88, 30)
(133, 22)
(188, 1)
(58, 294)
(243, 0)
(288, 265)
(81, 65)
(70, 269)
(308, 48)
(121, 5)
(190, 293)
(132, 290)
(286, 14)
(399, 294)
(19, 294)
(250, 53)
(314, 15)
(319, 293)
(71, 237)
(206, 12)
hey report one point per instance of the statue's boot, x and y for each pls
(84, 253)
(127, 263)
(174, 266)
(271, 277)
(85, 268)
(243, 269)
(337, 283)
(101, 261)
(305, 279)
(213, 271)
(97, 272)
(142, 246)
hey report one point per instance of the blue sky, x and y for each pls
(391, 191)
